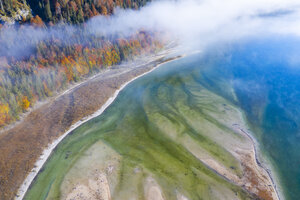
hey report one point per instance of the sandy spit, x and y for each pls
(264, 164)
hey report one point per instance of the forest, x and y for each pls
(54, 63)
(54, 11)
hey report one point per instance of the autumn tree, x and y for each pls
(55, 63)
(103, 10)
(37, 21)
(95, 12)
(4, 116)
(25, 103)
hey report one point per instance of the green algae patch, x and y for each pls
(158, 129)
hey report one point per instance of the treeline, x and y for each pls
(54, 64)
(76, 11)
(53, 11)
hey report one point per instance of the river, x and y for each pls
(153, 133)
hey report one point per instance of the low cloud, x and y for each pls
(198, 23)
(195, 24)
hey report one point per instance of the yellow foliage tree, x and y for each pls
(4, 116)
(115, 57)
(25, 103)
(107, 58)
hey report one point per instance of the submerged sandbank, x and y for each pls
(181, 115)
(47, 152)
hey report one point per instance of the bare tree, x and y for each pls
(1, 5)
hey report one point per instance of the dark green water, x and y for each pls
(265, 78)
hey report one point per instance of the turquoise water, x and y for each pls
(157, 125)
(262, 77)
(265, 75)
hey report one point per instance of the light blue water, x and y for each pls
(265, 75)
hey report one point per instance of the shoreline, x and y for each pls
(30, 178)
(47, 152)
(74, 85)
(266, 166)
(261, 160)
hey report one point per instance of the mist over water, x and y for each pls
(265, 85)
(194, 24)
(253, 44)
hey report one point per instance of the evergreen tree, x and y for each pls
(48, 13)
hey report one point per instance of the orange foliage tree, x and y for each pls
(37, 21)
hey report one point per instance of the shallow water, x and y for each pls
(153, 122)
(265, 75)
(153, 125)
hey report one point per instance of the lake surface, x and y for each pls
(149, 127)
(265, 75)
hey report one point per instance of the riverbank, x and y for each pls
(47, 152)
(261, 160)
(23, 145)
(261, 168)
(251, 179)
(224, 149)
